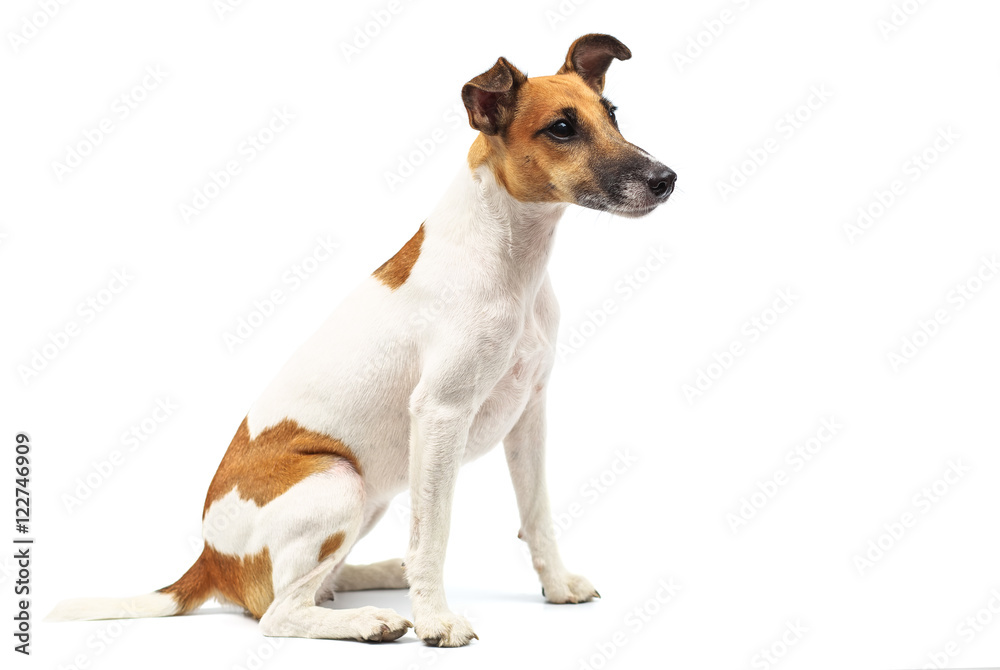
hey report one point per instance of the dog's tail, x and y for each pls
(184, 595)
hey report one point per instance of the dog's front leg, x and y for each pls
(524, 447)
(439, 429)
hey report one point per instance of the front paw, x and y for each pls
(444, 629)
(569, 589)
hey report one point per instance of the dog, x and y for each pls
(391, 393)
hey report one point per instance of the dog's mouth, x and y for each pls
(629, 210)
(633, 212)
(633, 193)
(631, 199)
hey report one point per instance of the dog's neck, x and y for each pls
(507, 238)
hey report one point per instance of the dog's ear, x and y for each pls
(490, 98)
(591, 56)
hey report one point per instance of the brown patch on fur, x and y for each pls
(195, 587)
(591, 55)
(395, 271)
(261, 469)
(532, 167)
(330, 545)
(479, 152)
(268, 465)
(490, 98)
(244, 581)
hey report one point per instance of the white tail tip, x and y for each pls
(90, 609)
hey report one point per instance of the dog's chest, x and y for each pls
(506, 402)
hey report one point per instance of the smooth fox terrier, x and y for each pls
(381, 397)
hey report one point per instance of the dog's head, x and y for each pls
(556, 139)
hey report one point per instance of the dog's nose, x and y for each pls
(661, 183)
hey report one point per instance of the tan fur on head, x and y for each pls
(534, 168)
(491, 97)
(556, 139)
(590, 57)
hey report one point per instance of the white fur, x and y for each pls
(382, 575)
(415, 396)
(293, 526)
(415, 381)
(91, 609)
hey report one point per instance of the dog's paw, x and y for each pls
(569, 589)
(374, 624)
(444, 629)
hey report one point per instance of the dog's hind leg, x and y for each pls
(295, 613)
(388, 574)
(382, 575)
(319, 521)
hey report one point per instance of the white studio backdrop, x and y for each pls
(773, 421)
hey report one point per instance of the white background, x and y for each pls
(661, 518)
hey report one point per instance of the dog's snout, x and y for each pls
(661, 182)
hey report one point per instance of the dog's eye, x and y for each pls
(561, 129)
(611, 113)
